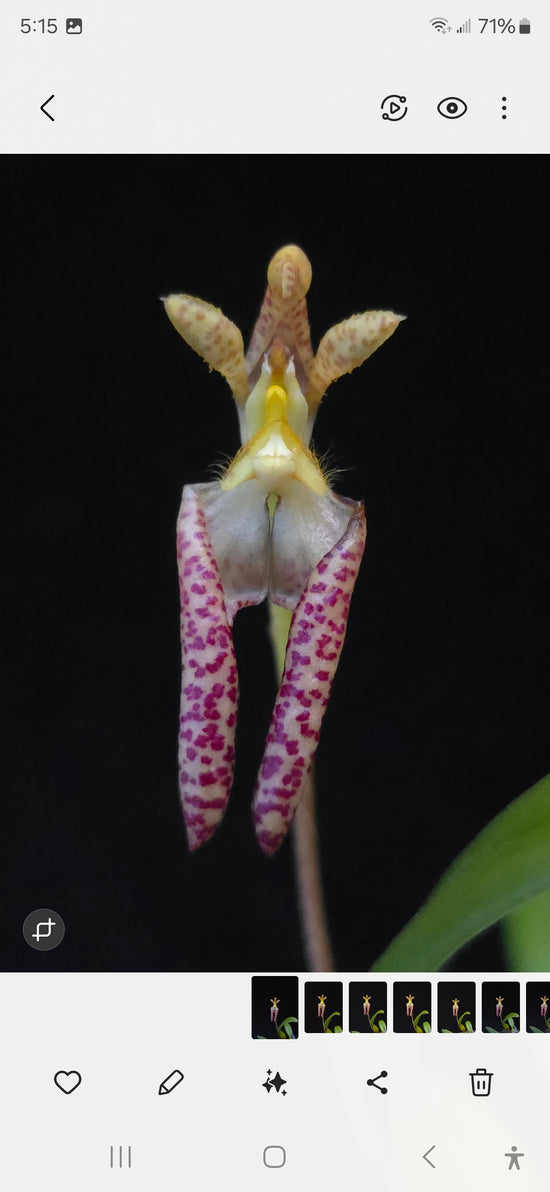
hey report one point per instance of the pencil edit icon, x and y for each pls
(170, 1082)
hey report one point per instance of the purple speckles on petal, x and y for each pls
(271, 766)
(214, 667)
(207, 778)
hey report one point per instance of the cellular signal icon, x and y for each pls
(441, 25)
(466, 27)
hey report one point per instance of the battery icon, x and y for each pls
(524, 25)
(481, 1082)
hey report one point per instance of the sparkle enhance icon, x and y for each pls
(274, 1082)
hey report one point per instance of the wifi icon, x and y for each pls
(441, 24)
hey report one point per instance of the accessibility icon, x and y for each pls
(394, 107)
(514, 1156)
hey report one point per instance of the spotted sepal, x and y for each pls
(316, 637)
(209, 690)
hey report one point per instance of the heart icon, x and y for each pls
(67, 1081)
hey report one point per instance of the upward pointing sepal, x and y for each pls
(212, 336)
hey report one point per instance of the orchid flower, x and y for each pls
(270, 527)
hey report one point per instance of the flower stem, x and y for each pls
(304, 834)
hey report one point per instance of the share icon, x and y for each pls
(372, 1083)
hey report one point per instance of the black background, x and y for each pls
(439, 714)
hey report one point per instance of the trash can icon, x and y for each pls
(481, 1082)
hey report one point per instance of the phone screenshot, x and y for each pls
(275, 644)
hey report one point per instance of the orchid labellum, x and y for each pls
(271, 527)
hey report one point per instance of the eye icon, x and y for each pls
(451, 108)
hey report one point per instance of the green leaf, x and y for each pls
(417, 1019)
(338, 1030)
(526, 936)
(383, 1027)
(285, 1025)
(507, 865)
(427, 1027)
(335, 1014)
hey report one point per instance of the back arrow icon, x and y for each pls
(428, 1152)
(44, 105)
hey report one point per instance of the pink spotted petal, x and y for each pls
(209, 689)
(315, 643)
